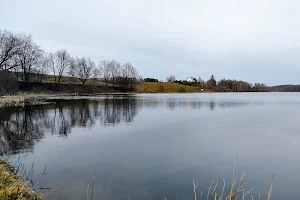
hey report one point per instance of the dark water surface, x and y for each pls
(145, 142)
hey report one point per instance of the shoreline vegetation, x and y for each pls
(12, 186)
(32, 97)
(24, 98)
(37, 92)
(26, 67)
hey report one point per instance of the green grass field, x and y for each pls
(162, 87)
(144, 87)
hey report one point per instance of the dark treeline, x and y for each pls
(150, 80)
(224, 85)
(30, 63)
(241, 86)
(22, 127)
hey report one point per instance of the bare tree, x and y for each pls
(9, 46)
(129, 76)
(199, 82)
(62, 61)
(97, 73)
(82, 68)
(104, 70)
(134, 74)
(115, 70)
(171, 79)
(44, 66)
(28, 57)
(49, 63)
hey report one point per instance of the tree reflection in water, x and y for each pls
(22, 127)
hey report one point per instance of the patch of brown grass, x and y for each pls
(21, 98)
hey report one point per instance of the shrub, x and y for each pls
(186, 83)
(150, 80)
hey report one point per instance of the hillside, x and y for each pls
(162, 87)
(285, 88)
(47, 78)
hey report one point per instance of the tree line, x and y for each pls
(225, 85)
(21, 55)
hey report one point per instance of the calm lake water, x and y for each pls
(145, 143)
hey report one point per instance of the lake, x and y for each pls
(150, 145)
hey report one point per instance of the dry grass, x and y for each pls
(21, 98)
(237, 190)
(216, 190)
(163, 87)
(12, 187)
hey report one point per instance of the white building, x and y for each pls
(190, 80)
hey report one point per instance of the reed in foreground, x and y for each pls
(236, 191)
(216, 190)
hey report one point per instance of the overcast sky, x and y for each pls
(252, 40)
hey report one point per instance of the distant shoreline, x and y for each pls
(23, 99)
(36, 93)
(39, 98)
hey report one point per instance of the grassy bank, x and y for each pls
(34, 92)
(164, 87)
(12, 187)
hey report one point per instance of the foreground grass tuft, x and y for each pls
(12, 187)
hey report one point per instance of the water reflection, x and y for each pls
(165, 136)
(173, 103)
(22, 127)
